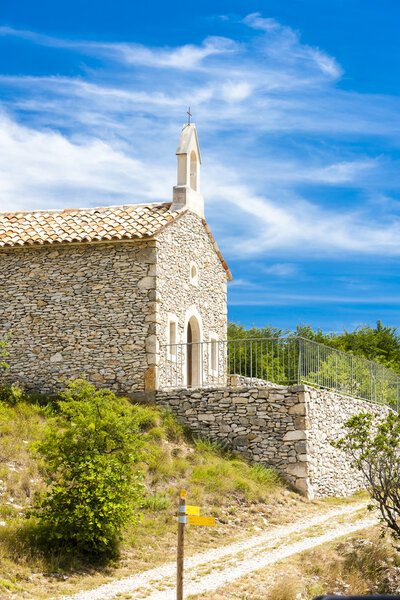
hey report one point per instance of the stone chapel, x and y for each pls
(134, 298)
(101, 291)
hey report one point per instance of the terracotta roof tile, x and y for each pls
(89, 225)
(86, 224)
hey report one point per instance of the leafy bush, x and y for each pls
(4, 351)
(11, 393)
(91, 459)
(374, 449)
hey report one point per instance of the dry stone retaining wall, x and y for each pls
(328, 468)
(289, 428)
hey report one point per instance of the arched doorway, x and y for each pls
(193, 366)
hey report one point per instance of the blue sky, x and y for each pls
(297, 109)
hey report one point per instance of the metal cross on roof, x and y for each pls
(190, 114)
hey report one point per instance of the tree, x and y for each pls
(374, 449)
(380, 343)
(90, 454)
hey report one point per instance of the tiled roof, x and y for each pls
(132, 221)
(84, 224)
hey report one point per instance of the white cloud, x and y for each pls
(43, 169)
(184, 57)
(281, 270)
(269, 298)
(236, 91)
(109, 136)
(241, 283)
(188, 56)
(299, 226)
(284, 44)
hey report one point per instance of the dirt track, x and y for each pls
(210, 570)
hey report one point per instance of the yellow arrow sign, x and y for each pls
(207, 521)
(183, 494)
(193, 510)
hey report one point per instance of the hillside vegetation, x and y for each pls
(244, 498)
(380, 343)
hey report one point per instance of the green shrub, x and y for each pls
(156, 502)
(91, 458)
(173, 430)
(4, 352)
(11, 393)
(263, 474)
(147, 417)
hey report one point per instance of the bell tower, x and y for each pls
(186, 194)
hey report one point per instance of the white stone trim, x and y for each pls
(172, 319)
(213, 337)
(192, 311)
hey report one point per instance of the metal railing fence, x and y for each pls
(262, 361)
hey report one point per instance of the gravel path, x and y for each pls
(210, 570)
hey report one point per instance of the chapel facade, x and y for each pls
(122, 294)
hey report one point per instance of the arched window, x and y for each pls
(193, 171)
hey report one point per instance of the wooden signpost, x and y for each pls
(187, 515)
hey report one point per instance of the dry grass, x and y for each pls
(245, 499)
(361, 564)
(287, 588)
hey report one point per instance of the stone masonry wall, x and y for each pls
(179, 245)
(265, 425)
(79, 308)
(288, 428)
(328, 469)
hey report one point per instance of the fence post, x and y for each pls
(180, 550)
(299, 363)
(352, 375)
(251, 361)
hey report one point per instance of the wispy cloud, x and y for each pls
(187, 56)
(263, 103)
(273, 299)
(303, 226)
(283, 41)
(43, 169)
(281, 270)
